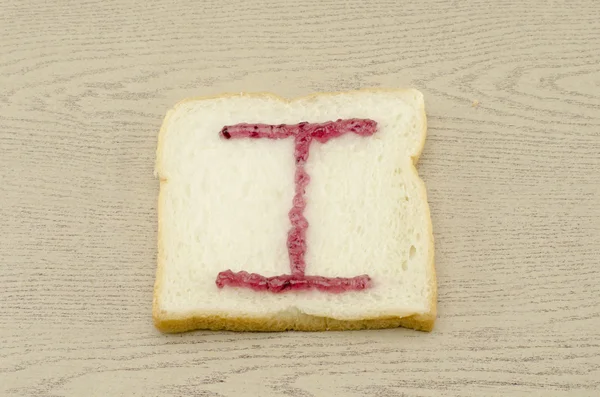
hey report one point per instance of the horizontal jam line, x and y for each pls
(291, 282)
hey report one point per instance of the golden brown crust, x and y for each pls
(300, 322)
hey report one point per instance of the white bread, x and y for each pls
(223, 204)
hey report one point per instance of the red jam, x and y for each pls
(287, 282)
(303, 134)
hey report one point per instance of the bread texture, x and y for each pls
(223, 205)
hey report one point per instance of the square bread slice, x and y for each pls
(224, 204)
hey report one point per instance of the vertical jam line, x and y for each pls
(296, 242)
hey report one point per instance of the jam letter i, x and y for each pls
(303, 134)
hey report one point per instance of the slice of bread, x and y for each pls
(224, 205)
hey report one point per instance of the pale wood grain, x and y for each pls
(513, 182)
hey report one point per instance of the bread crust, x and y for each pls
(170, 323)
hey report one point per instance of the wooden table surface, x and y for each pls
(511, 163)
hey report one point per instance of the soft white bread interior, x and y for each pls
(223, 204)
